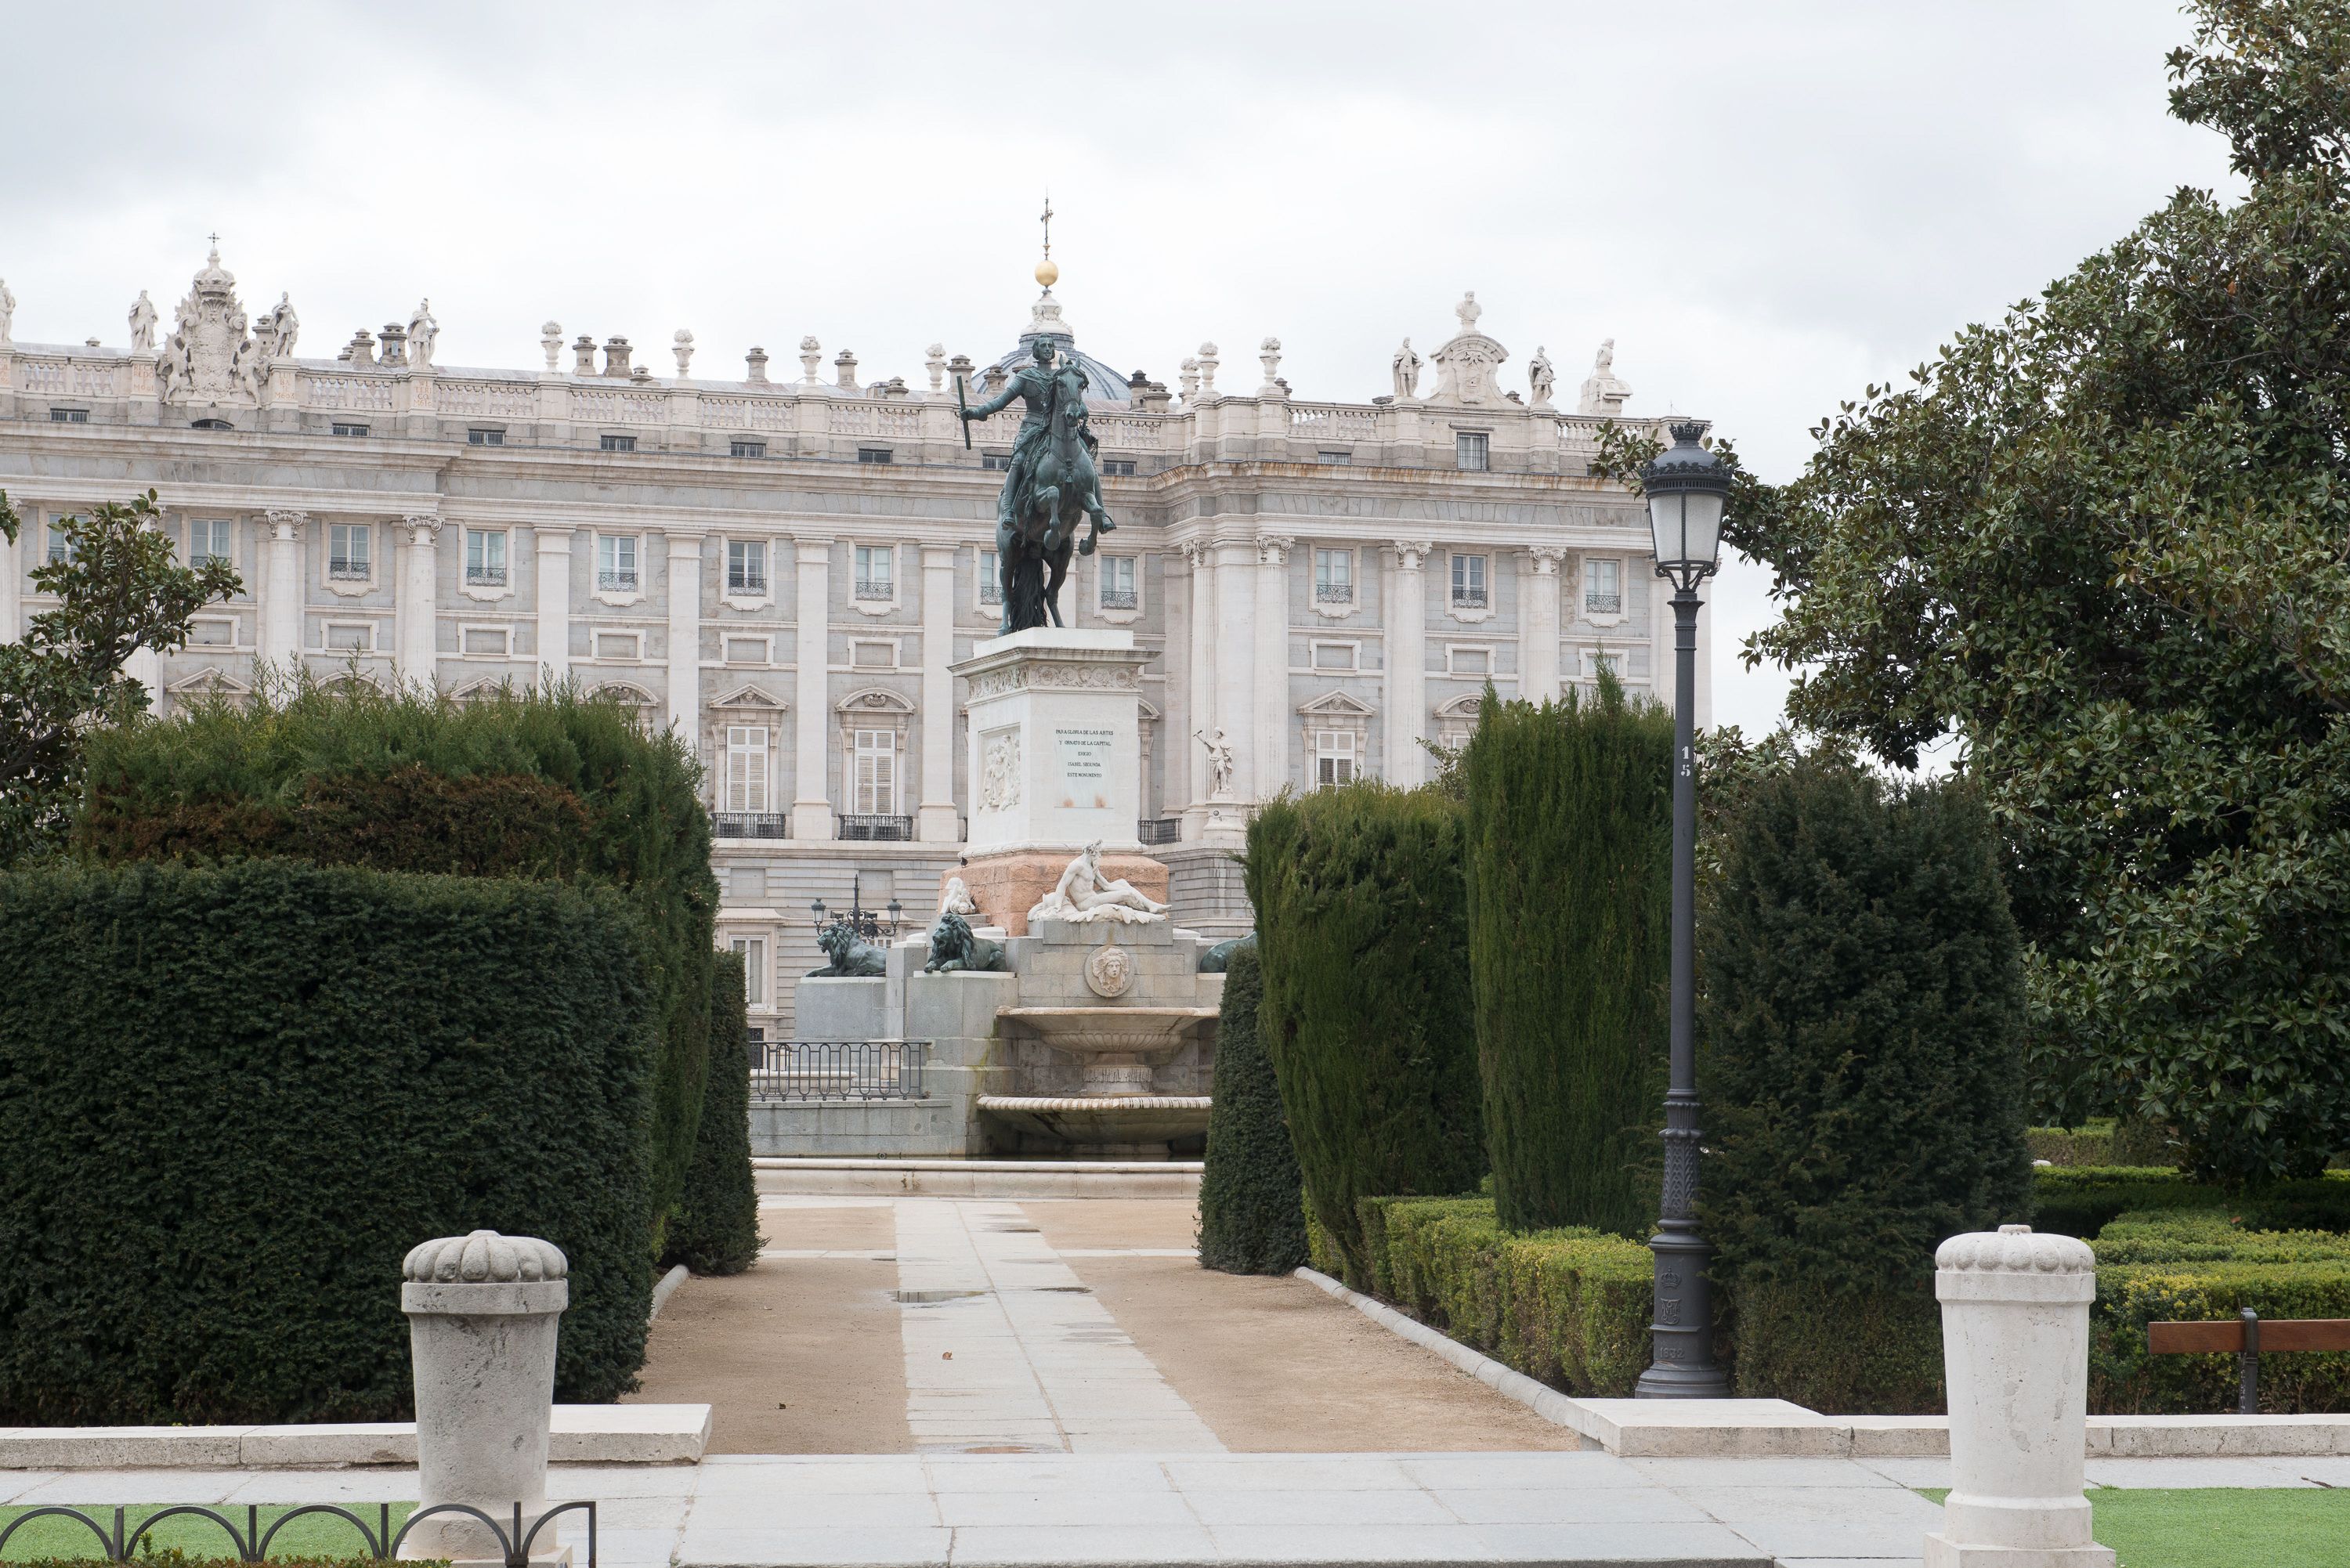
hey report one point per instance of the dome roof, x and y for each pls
(1103, 384)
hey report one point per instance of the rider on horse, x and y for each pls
(1048, 388)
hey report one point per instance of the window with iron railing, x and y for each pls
(990, 578)
(866, 828)
(347, 551)
(1334, 576)
(208, 541)
(616, 564)
(485, 557)
(749, 824)
(1603, 587)
(876, 577)
(1118, 583)
(1469, 582)
(746, 567)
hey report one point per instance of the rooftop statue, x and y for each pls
(1051, 485)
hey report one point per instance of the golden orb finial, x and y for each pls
(1046, 273)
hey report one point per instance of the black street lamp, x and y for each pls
(1686, 487)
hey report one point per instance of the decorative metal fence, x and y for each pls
(868, 828)
(749, 824)
(123, 1542)
(838, 1069)
(1159, 829)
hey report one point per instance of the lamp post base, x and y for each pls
(1666, 1381)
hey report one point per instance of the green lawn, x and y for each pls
(313, 1535)
(2219, 1526)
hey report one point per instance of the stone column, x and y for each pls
(685, 638)
(811, 801)
(1200, 557)
(16, 559)
(419, 613)
(1272, 707)
(2015, 1353)
(1236, 661)
(1175, 688)
(1538, 642)
(1406, 663)
(551, 599)
(481, 1316)
(281, 589)
(936, 821)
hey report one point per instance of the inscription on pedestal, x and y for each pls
(1084, 761)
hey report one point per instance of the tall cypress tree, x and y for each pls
(1361, 931)
(1861, 1023)
(1251, 1209)
(1569, 864)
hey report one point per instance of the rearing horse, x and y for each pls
(1064, 489)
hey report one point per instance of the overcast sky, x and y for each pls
(1766, 206)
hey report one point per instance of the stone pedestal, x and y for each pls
(1055, 763)
(481, 1315)
(2015, 1350)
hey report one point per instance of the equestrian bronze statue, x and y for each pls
(1051, 486)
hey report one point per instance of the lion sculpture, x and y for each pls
(852, 956)
(952, 947)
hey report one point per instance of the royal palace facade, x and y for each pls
(784, 568)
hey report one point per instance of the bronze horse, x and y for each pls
(1064, 489)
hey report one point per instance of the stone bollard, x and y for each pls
(2015, 1349)
(481, 1315)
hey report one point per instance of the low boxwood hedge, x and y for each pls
(2081, 1200)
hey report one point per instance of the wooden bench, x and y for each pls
(2247, 1337)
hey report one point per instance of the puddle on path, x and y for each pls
(933, 1298)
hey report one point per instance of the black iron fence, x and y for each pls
(838, 1069)
(1159, 829)
(123, 1542)
(749, 824)
(870, 828)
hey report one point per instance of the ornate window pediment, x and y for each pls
(751, 697)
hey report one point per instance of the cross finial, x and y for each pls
(1047, 222)
(215, 237)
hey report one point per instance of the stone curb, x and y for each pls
(1013, 1178)
(582, 1434)
(664, 1288)
(1775, 1429)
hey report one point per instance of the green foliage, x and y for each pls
(1570, 819)
(1251, 1204)
(716, 1231)
(1861, 1023)
(511, 783)
(1361, 932)
(2126, 1379)
(2081, 1200)
(233, 1098)
(118, 591)
(2101, 540)
(1568, 1307)
(1858, 1352)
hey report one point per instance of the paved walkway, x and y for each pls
(979, 1510)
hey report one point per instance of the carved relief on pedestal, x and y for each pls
(999, 784)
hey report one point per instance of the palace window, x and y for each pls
(347, 552)
(208, 541)
(754, 970)
(1471, 451)
(487, 435)
(746, 449)
(1334, 576)
(873, 779)
(1469, 582)
(344, 430)
(1118, 468)
(996, 462)
(1334, 758)
(619, 443)
(1335, 459)
(990, 578)
(485, 557)
(876, 578)
(1118, 591)
(746, 568)
(68, 416)
(61, 547)
(616, 563)
(880, 454)
(1603, 587)
(224, 425)
(746, 767)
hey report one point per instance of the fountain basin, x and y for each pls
(1131, 1126)
(1115, 1046)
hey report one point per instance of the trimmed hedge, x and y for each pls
(2101, 1140)
(233, 1098)
(1361, 931)
(716, 1231)
(1251, 1203)
(1569, 879)
(510, 783)
(1569, 1307)
(2081, 1200)
(1861, 1028)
